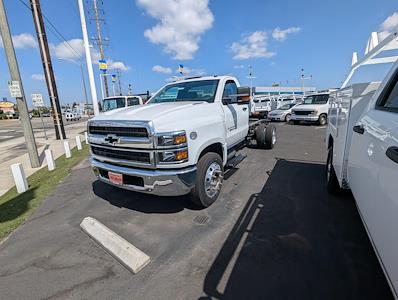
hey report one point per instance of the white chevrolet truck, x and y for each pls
(180, 142)
(362, 143)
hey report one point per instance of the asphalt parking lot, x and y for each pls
(274, 233)
(11, 129)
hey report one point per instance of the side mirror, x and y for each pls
(244, 95)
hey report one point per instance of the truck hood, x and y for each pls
(164, 116)
(308, 107)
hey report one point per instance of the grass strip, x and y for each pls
(16, 208)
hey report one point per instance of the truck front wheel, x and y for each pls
(323, 119)
(332, 184)
(209, 179)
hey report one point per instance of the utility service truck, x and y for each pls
(362, 143)
(180, 142)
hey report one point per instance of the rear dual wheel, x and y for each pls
(266, 136)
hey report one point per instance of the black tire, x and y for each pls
(198, 194)
(332, 184)
(287, 118)
(323, 119)
(264, 134)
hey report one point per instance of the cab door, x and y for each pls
(236, 116)
(373, 175)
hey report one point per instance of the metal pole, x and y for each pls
(42, 123)
(113, 87)
(48, 69)
(15, 76)
(100, 44)
(88, 59)
(102, 89)
(84, 85)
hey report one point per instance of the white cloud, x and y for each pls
(253, 45)
(239, 66)
(281, 35)
(74, 50)
(71, 50)
(117, 65)
(160, 69)
(388, 25)
(22, 41)
(180, 25)
(38, 77)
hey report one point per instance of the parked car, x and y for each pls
(180, 142)
(362, 143)
(111, 103)
(313, 109)
(72, 116)
(282, 114)
(261, 106)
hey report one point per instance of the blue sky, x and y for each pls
(149, 38)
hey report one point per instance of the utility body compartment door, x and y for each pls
(373, 174)
(236, 116)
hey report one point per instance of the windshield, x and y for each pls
(316, 99)
(286, 106)
(113, 103)
(203, 90)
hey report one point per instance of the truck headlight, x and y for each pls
(172, 139)
(173, 156)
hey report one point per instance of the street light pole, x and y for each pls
(88, 59)
(16, 76)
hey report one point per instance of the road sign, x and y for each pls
(37, 100)
(113, 78)
(15, 89)
(103, 66)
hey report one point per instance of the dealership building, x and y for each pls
(281, 90)
(7, 107)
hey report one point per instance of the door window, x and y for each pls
(132, 101)
(230, 91)
(389, 101)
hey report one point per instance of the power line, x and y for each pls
(57, 34)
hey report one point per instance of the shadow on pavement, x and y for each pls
(141, 202)
(294, 241)
(17, 206)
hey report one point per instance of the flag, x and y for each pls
(181, 69)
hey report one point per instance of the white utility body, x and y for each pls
(362, 142)
(180, 141)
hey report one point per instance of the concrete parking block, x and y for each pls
(130, 256)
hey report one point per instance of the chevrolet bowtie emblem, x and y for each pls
(111, 139)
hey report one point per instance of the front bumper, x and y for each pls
(276, 117)
(308, 118)
(157, 182)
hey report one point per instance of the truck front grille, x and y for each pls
(302, 112)
(119, 131)
(133, 156)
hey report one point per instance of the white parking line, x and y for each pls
(131, 257)
(320, 127)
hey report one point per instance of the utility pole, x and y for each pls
(251, 77)
(16, 76)
(89, 64)
(303, 77)
(48, 69)
(119, 75)
(130, 90)
(100, 44)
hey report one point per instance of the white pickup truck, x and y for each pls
(362, 143)
(180, 142)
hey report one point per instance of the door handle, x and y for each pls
(359, 129)
(244, 109)
(392, 153)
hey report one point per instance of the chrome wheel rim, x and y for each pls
(288, 118)
(213, 180)
(273, 136)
